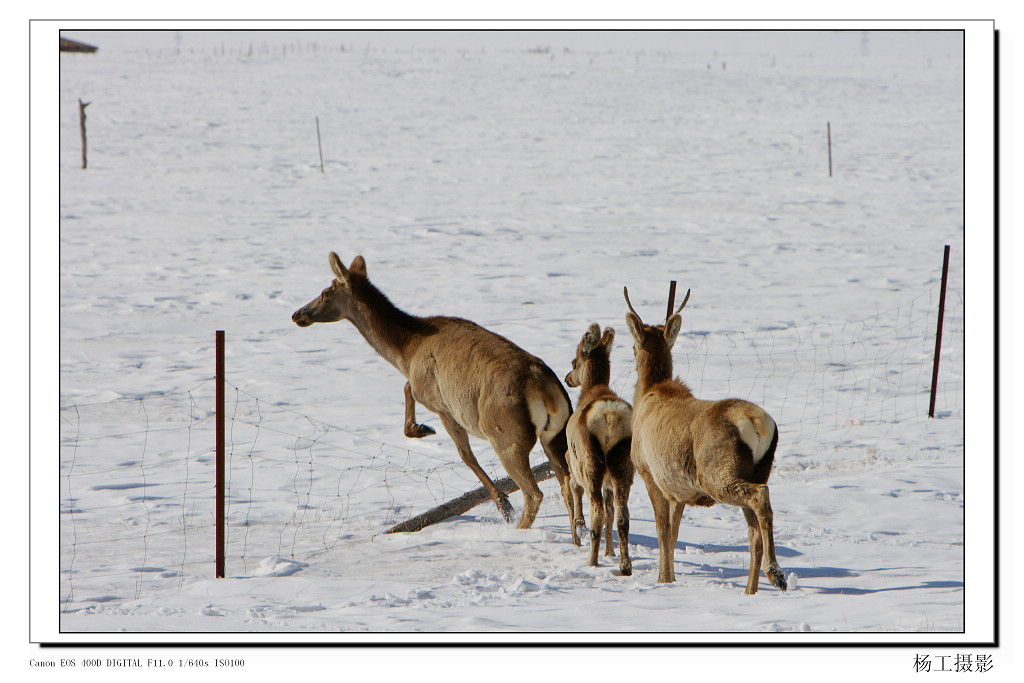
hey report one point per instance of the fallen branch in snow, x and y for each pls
(465, 502)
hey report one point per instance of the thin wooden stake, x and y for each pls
(938, 331)
(829, 128)
(671, 298)
(318, 146)
(81, 126)
(219, 573)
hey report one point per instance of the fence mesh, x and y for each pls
(150, 463)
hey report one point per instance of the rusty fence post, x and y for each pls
(938, 331)
(220, 456)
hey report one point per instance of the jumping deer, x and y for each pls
(599, 439)
(476, 381)
(694, 452)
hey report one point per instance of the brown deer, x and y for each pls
(599, 438)
(476, 381)
(694, 452)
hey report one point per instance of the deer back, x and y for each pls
(484, 381)
(684, 442)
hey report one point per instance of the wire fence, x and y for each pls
(137, 499)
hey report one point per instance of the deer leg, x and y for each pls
(621, 472)
(576, 515)
(597, 521)
(675, 515)
(756, 550)
(754, 497)
(413, 430)
(609, 517)
(763, 509)
(555, 448)
(666, 536)
(516, 459)
(461, 439)
(622, 527)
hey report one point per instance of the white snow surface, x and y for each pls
(521, 189)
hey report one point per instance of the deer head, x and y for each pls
(652, 344)
(336, 301)
(591, 364)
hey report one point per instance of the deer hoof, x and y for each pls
(418, 431)
(778, 580)
(626, 569)
(506, 509)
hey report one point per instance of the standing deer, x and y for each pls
(694, 452)
(599, 438)
(476, 381)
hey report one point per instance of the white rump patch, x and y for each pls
(757, 433)
(609, 421)
(544, 422)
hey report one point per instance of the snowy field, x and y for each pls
(521, 189)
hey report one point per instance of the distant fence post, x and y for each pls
(220, 456)
(318, 145)
(81, 125)
(938, 331)
(828, 127)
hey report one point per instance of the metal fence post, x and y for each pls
(938, 331)
(220, 455)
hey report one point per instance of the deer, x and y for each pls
(477, 382)
(599, 435)
(698, 452)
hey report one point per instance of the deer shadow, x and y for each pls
(696, 568)
(652, 543)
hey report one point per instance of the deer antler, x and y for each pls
(625, 293)
(685, 299)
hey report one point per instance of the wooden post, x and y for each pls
(220, 456)
(318, 146)
(671, 298)
(81, 125)
(828, 125)
(938, 331)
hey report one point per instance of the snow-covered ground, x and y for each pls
(519, 188)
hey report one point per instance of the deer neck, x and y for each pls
(596, 371)
(389, 330)
(651, 369)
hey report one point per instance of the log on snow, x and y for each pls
(465, 502)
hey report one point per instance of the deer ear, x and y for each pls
(591, 338)
(339, 270)
(607, 339)
(672, 327)
(358, 266)
(635, 326)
